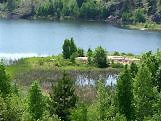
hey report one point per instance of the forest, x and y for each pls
(112, 11)
(135, 97)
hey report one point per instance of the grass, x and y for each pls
(144, 26)
(50, 69)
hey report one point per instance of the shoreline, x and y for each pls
(138, 26)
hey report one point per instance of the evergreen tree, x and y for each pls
(133, 69)
(69, 48)
(66, 49)
(103, 100)
(80, 2)
(36, 101)
(63, 98)
(73, 47)
(143, 92)
(5, 83)
(89, 55)
(158, 79)
(125, 94)
(80, 52)
(152, 63)
(100, 57)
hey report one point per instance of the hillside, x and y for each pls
(112, 11)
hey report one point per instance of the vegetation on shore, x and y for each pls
(136, 96)
(96, 62)
(124, 12)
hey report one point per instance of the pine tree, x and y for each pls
(125, 94)
(100, 57)
(89, 55)
(69, 48)
(103, 100)
(36, 101)
(5, 83)
(143, 93)
(80, 52)
(73, 47)
(66, 49)
(158, 79)
(133, 70)
(63, 98)
(80, 2)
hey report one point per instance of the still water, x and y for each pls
(24, 38)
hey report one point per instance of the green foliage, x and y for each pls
(126, 17)
(36, 101)
(89, 10)
(133, 69)
(73, 47)
(143, 91)
(79, 113)
(5, 83)
(116, 53)
(125, 94)
(139, 15)
(117, 65)
(3, 109)
(100, 57)
(69, 48)
(63, 98)
(152, 63)
(158, 79)
(73, 56)
(119, 117)
(80, 2)
(80, 52)
(90, 55)
(104, 102)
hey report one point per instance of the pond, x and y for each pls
(24, 38)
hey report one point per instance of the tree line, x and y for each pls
(97, 57)
(124, 11)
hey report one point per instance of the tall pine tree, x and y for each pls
(125, 94)
(36, 101)
(143, 93)
(63, 98)
(5, 83)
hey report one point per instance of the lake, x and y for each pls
(24, 38)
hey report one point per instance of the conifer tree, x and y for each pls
(63, 98)
(100, 57)
(80, 2)
(89, 55)
(143, 93)
(133, 70)
(5, 83)
(69, 48)
(125, 94)
(36, 101)
(66, 49)
(158, 79)
(73, 47)
(103, 100)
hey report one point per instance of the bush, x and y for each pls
(139, 15)
(117, 65)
